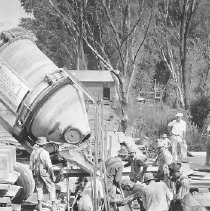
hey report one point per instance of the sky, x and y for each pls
(10, 13)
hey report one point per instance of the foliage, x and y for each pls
(138, 41)
(196, 139)
(200, 109)
(112, 31)
(154, 119)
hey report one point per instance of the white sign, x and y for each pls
(12, 88)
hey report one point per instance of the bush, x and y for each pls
(200, 109)
(196, 140)
(155, 119)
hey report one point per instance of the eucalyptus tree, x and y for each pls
(113, 31)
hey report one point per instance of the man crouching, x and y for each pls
(41, 167)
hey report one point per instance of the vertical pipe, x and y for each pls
(68, 194)
(95, 157)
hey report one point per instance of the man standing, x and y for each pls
(156, 195)
(136, 162)
(41, 167)
(208, 146)
(178, 130)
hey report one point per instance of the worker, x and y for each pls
(156, 195)
(43, 174)
(166, 141)
(177, 129)
(136, 161)
(114, 169)
(208, 146)
(183, 199)
(133, 191)
(164, 159)
(85, 202)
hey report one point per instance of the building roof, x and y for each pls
(92, 75)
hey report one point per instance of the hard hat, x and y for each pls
(175, 166)
(164, 135)
(148, 176)
(41, 141)
(127, 182)
(179, 114)
(123, 152)
(130, 150)
(208, 128)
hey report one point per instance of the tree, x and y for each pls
(172, 32)
(114, 31)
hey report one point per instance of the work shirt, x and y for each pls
(114, 169)
(166, 142)
(164, 159)
(156, 196)
(40, 161)
(181, 186)
(178, 127)
(136, 163)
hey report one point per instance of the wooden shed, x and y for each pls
(99, 84)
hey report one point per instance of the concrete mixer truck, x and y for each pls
(43, 98)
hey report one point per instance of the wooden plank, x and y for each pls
(5, 186)
(13, 191)
(76, 173)
(5, 208)
(5, 200)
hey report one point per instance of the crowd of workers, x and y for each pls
(168, 189)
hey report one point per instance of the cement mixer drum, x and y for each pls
(44, 98)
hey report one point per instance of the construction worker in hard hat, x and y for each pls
(43, 174)
(166, 142)
(137, 162)
(133, 191)
(156, 195)
(208, 146)
(164, 159)
(177, 129)
(182, 199)
(114, 170)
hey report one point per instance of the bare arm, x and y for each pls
(118, 176)
(169, 194)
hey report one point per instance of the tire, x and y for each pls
(25, 180)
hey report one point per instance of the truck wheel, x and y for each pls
(25, 180)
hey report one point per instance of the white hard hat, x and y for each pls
(208, 128)
(164, 135)
(179, 114)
